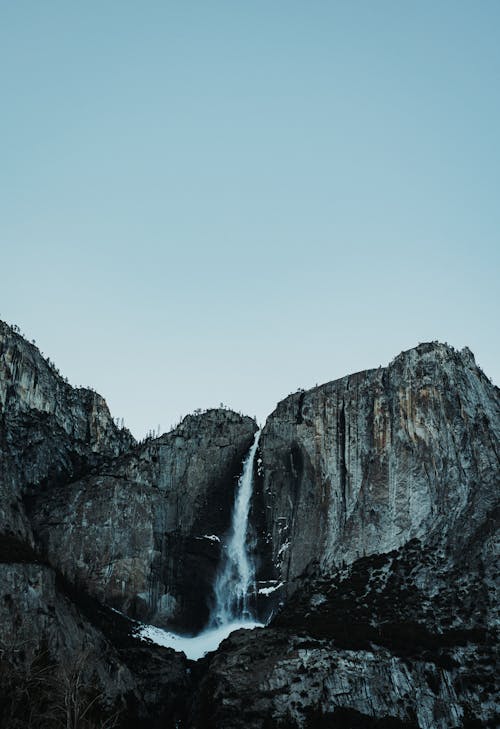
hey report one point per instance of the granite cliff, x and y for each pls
(373, 525)
(138, 533)
(375, 518)
(95, 528)
(365, 464)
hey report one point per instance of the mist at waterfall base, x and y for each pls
(197, 646)
(233, 585)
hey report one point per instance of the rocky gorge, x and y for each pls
(373, 531)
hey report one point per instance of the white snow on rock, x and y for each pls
(194, 647)
(283, 548)
(232, 586)
(268, 590)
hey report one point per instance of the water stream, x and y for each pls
(236, 577)
(234, 582)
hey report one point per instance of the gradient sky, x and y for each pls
(205, 202)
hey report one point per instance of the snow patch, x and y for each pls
(317, 599)
(283, 548)
(268, 590)
(194, 647)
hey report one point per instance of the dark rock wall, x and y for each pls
(90, 518)
(142, 534)
(135, 525)
(50, 433)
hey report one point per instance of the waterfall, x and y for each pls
(233, 584)
(236, 574)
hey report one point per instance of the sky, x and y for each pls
(221, 202)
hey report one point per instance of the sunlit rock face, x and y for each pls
(366, 463)
(51, 433)
(377, 501)
(143, 534)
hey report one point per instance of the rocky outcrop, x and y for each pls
(288, 680)
(37, 618)
(65, 658)
(376, 514)
(50, 433)
(91, 520)
(403, 639)
(143, 534)
(366, 463)
(373, 521)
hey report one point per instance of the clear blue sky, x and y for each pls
(225, 201)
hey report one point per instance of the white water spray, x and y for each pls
(233, 584)
(235, 579)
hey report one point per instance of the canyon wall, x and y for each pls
(373, 526)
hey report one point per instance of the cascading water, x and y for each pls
(236, 576)
(233, 584)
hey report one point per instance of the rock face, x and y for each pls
(142, 534)
(89, 518)
(373, 521)
(403, 639)
(60, 653)
(376, 512)
(364, 464)
(50, 432)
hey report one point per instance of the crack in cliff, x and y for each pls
(343, 459)
(300, 418)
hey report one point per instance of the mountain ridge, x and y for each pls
(372, 526)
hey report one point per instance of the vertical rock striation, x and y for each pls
(374, 523)
(376, 514)
(366, 463)
(91, 520)
(50, 432)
